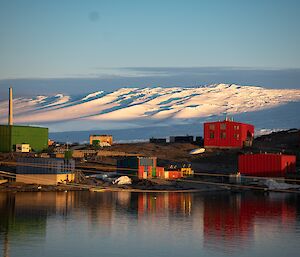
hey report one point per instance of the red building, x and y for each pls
(267, 165)
(227, 134)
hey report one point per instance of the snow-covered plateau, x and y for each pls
(148, 108)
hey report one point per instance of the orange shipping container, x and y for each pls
(175, 174)
(141, 172)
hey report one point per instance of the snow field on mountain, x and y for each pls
(144, 106)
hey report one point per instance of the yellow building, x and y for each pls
(187, 171)
(45, 179)
(103, 139)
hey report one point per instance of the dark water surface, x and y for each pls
(139, 224)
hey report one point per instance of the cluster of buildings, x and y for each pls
(231, 134)
(49, 169)
(146, 168)
(224, 134)
(15, 138)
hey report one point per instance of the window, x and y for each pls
(212, 126)
(223, 126)
(211, 134)
(236, 136)
(223, 135)
(237, 127)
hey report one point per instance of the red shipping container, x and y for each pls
(266, 165)
(141, 172)
(227, 134)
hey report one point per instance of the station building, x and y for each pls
(13, 135)
(45, 171)
(142, 167)
(227, 134)
(146, 168)
(101, 140)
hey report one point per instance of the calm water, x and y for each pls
(133, 224)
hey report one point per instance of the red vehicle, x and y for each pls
(267, 164)
(227, 134)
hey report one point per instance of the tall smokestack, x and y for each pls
(10, 109)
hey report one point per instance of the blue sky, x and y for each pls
(83, 39)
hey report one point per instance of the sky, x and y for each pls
(87, 40)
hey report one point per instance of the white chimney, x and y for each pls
(10, 108)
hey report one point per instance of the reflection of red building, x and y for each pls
(162, 202)
(232, 218)
(227, 134)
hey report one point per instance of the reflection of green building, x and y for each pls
(10, 135)
(22, 219)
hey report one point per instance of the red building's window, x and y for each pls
(223, 126)
(236, 136)
(212, 126)
(237, 127)
(223, 135)
(211, 134)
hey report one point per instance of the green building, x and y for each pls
(10, 135)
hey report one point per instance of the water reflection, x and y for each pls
(219, 222)
(233, 219)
